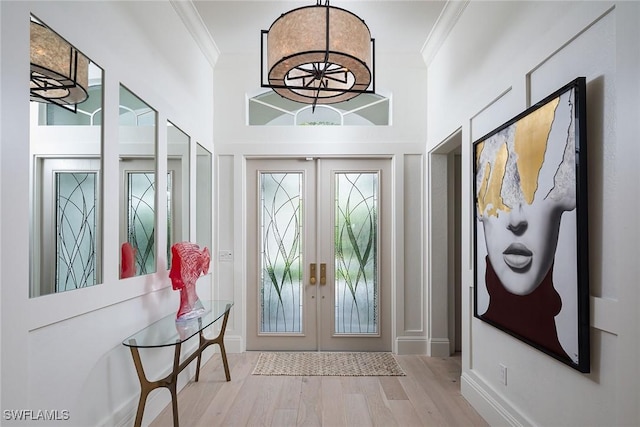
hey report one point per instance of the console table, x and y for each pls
(168, 332)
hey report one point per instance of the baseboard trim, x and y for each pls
(233, 344)
(439, 347)
(411, 345)
(495, 410)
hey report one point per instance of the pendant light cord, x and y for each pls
(326, 57)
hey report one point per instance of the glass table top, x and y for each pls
(169, 331)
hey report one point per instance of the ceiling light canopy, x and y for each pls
(59, 73)
(319, 55)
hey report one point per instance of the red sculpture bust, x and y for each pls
(127, 261)
(187, 264)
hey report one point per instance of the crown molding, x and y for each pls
(193, 21)
(448, 18)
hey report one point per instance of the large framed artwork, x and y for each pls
(531, 243)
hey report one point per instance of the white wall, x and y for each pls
(500, 58)
(64, 351)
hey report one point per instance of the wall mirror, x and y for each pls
(203, 197)
(65, 141)
(137, 148)
(177, 187)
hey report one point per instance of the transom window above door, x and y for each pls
(270, 109)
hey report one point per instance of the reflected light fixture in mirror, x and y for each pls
(65, 146)
(59, 72)
(318, 54)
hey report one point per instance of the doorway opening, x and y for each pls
(444, 259)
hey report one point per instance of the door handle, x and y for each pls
(312, 274)
(323, 274)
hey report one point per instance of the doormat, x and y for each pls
(327, 364)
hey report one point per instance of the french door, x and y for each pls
(318, 261)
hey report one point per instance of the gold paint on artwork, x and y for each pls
(479, 149)
(489, 194)
(531, 138)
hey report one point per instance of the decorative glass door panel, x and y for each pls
(76, 230)
(68, 223)
(317, 271)
(141, 219)
(281, 252)
(356, 253)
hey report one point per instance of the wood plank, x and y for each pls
(357, 414)
(194, 398)
(290, 394)
(268, 390)
(310, 409)
(392, 388)
(425, 408)
(333, 407)
(223, 401)
(444, 393)
(404, 413)
(351, 385)
(284, 418)
(378, 405)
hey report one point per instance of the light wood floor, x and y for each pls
(429, 395)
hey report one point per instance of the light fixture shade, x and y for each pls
(305, 64)
(59, 73)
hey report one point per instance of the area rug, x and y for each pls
(327, 364)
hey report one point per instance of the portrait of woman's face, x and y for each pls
(524, 184)
(521, 244)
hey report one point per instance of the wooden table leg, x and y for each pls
(204, 343)
(172, 385)
(146, 386)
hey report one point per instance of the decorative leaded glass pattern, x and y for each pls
(141, 219)
(280, 252)
(271, 109)
(356, 249)
(75, 230)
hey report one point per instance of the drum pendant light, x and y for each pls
(318, 55)
(59, 73)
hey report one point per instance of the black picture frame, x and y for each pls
(531, 277)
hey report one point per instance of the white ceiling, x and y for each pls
(397, 26)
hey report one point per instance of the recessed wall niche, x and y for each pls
(65, 142)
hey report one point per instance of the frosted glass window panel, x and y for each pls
(281, 252)
(356, 253)
(141, 220)
(76, 223)
(270, 109)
